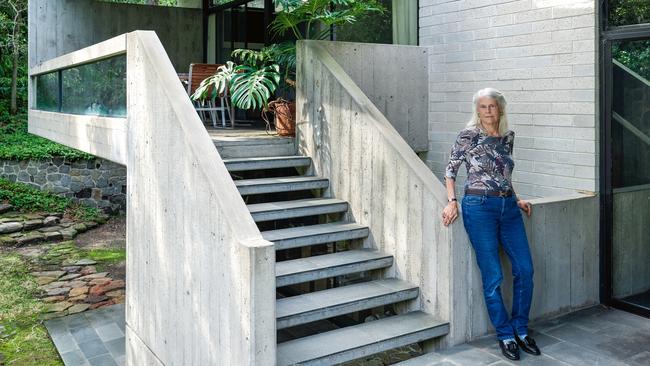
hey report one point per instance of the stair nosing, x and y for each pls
(273, 162)
(273, 185)
(434, 328)
(314, 231)
(296, 208)
(382, 292)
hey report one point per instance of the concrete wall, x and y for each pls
(631, 237)
(396, 80)
(397, 196)
(542, 55)
(57, 27)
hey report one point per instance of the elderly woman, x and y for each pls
(491, 216)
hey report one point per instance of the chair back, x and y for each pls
(198, 73)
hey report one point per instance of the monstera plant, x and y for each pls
(250, 84)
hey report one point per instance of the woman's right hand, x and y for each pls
(450, 213)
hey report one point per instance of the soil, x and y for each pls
(112, 234)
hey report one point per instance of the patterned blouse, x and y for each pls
(488, 159)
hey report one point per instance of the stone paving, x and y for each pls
(18, 229)
(598, 336)
(91, 338)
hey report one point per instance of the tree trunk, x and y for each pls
(14, 84)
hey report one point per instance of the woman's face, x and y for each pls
(488, 110)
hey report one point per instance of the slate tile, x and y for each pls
(576, 355)
(109, 332)
(85, 334)
(75, 358)
(103, 360)
(116, 347)
(65, 343)
(93, 348)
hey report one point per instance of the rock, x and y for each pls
(53, 299)
(33, 216)
(117, 284)
(30, 238)
(45, 280)
(77, 284)
(80, 227)
(78, 291)
(100, 304)
(10, 227)
(49, 316)
(97, 290)
(56, 307)
(77, 308)
(55, 274)
(5, 207)
(8, 241)
(33, 224)
(69, 277)
(94, 276)
(58, 291)
(69, 233)
(85, 262)
(54, 285)
(72, 269)
(93, 299)
(88, 270)
(118, 300)
(53, 236)
(49, 229)
(100, 281)
(90, 224)
(79, 298)
(51, 220)
(115, 293)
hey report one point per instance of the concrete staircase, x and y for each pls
(314, 262)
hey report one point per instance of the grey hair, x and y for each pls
(501, 102)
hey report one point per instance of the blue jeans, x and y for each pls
(489, 220)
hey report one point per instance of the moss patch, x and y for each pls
(23, 338)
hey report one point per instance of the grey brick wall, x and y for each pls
(542, 55)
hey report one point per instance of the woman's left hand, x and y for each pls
(525, 206)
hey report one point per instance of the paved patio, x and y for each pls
(597, 336)
(94, 337)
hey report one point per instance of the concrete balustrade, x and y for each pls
(201, 279)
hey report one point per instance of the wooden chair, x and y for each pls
(198, 73)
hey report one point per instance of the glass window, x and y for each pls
(370, 28)
(98, 88)
(47, 92)
(628, 12)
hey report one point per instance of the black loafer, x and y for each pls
(528, 345)
(510, 350)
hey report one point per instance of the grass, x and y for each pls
(18, 144)
(107, 255)
(23, 338)
(26, 198)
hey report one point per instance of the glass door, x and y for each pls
(630, 172)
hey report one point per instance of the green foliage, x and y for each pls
(148, 2)
(17, 144)
(106, 255)
(23, 338)
(371, 27)
(626, 12)
(635, 55)
(26, 198)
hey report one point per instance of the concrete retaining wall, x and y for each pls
(97, 183)
(396, 79)
(542, 55)
(57, 27)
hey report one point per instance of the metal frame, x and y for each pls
(607, 36)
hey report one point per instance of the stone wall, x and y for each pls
(542, 55)
(97, 183)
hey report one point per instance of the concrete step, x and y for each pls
(246, 146)
(296, 310)
(362, 340)
(329, 265)
(283, 184)
(303, 236)
(298, 208)
(272, 162)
